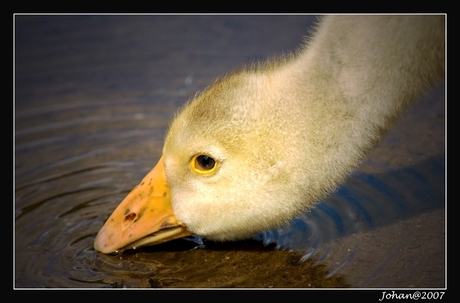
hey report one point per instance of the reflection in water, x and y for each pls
(364, 204)
(81, 144)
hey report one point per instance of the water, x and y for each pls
(93, 98)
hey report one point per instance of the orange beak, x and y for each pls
(144, 217)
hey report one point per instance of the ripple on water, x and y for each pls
(56, 227)
(367, 203)
(81, 144)
(59, 212)
(73, 165)
(67, 188)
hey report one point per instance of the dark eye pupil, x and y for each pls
(205, 162)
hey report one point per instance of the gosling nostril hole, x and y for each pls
(130, 217)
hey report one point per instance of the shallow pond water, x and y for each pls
(93, 98)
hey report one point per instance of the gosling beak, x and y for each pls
(144, 217)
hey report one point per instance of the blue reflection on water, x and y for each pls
(364, 203)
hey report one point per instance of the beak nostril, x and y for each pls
(130, 217)
(129, 220)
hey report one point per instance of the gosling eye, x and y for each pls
(203, 164)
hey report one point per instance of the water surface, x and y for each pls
(93, 99)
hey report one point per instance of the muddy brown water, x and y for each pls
(93, 98)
